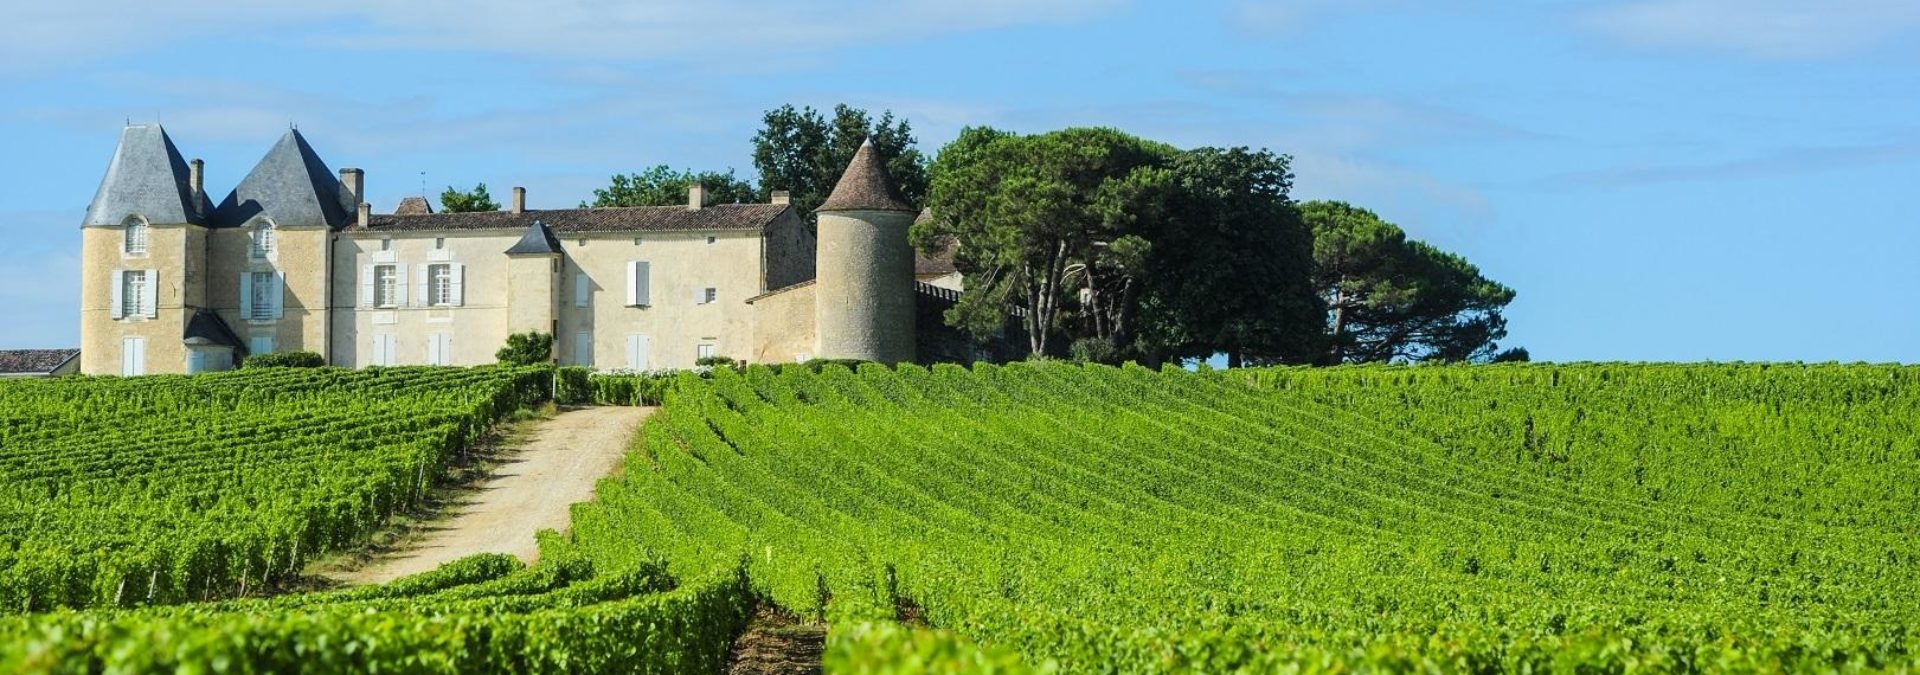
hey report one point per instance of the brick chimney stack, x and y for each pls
(519, 200)
(696, 196)
(780, 197)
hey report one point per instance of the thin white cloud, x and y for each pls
(1782, 162)
(51, 34)
(1780, 29)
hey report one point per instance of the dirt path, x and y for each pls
(529, 491)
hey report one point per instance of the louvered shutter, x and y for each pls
(367, 282)
(457, 295)
(117, 294)
(581, 290)
(278, 294)
(633, 283)
(699, 296)
(643, 283)
(399, 285)
(152, 302)
(420, 286)
(246, 296)
(433, 350)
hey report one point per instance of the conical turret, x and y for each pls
(865, 307)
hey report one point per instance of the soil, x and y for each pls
(529, 487)
(777, 643)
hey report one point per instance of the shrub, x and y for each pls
(573, 385)
(285, 360)
(531, 348)
(716, 361)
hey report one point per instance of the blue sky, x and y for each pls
(1659, 179)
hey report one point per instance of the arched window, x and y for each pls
(262, 239)
(135, 242)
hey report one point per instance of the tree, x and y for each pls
(1036, 215)
(477, 199)
(663, 186)
(1231, 270)
(531, 348)
(1392, 298)
(801, 151)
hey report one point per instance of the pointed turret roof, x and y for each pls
(865, 186)
(291, 186)
(147, 177)
(538, 240)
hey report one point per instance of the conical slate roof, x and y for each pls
(538, 240)
(865, 186)
(147, 177)
(291, 186)
(206, 325)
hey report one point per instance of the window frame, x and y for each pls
(262, 241)
(127, 239)
(440, 285)
(386, 286)
(133, 294)
(263, 296)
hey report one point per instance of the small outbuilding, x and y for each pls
(39, 362)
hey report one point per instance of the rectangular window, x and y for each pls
(582, 290)
(263, 288)
(133, 293)
(709, 295)
(712, 239)
(262, 240)
(386, 286)
(703, 351)
(136, 238)
(386, 244)
(583, 348)
(440, 285)
(439, 242)
(440, 349)
(260, 344)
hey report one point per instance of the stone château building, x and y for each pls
(294, 259)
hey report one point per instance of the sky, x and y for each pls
(1664, 180)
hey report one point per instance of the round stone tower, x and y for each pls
(864, 297)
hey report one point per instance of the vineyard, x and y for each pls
(120, 492)
(1585, 518)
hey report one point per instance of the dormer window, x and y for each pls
(262, 239)
(136, 236)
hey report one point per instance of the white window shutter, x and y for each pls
(458, 293)
(699, 296)
(278, 296)
(633, 283)
(152, 302)
(581, 290)
(644, 289)
(366, 286)
(399, 285)
(246, 296)
(433, 350)
(119, 300)
(419, 285)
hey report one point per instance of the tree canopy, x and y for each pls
(477, 199)
(1115, 247)
(663, 186)
(1394, 298)
(803, 152)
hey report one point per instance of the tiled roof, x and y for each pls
(291, 186)
(147, 177)
(939, 262)
(620, 219)
(538, 240)
(413, 206)
(865, 186)
(31, 361)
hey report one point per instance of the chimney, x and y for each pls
(696, 196)
(364, 216)
(780, 197)
(354, 183)
(196, 176)
(519, 200)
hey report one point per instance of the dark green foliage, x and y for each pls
(477, 199)
(1391, 298)
(801, 151)
(663, 186)
(531, 348)
(284, 360)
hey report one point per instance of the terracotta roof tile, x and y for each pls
(27, 361)
(563, 221)
(865, 186)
